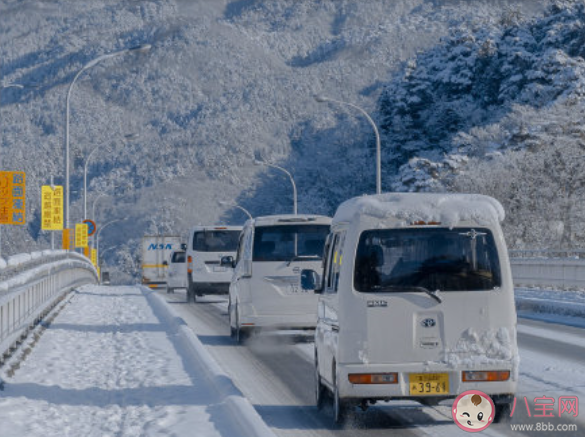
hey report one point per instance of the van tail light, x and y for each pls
(373, 378)
(495, 375)
(189, 264)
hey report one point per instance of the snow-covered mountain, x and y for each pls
(499, 110)
(226, 83)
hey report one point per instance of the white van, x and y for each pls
(417, 302)
(265, 291)
(176, 271)
(205, 248)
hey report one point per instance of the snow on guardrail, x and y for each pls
(31, 284)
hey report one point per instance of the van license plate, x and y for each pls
(219, 269)
(428, 384)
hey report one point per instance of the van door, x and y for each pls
(431, 295)
(327, 332)
(280, 252)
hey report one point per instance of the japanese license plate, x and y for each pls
(428, 383)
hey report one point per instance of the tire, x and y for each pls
(320, 390)
(240, 335)
(232, 329)
(190, 289)
(170, 290)
(339, 407)
(502, 413)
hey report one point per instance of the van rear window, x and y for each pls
(216, 241)
(289, 242)
(429, 259)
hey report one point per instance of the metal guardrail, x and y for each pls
(36, 287)
(562, 269)
(548, 253)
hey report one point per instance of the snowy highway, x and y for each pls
(277, 377)
(116, 361)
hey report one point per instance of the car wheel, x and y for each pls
(191, 292)
(339, 406)
(502, 413)
(232, 329)
(320, 390)
(170, 290)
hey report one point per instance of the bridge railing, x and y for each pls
(32, 284)
(563, 269)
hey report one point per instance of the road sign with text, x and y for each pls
(80, 235)
(12, 198)
(51, 208)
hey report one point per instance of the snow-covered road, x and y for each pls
(110, 365)
(277, 377)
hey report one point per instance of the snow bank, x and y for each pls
(448, 209)
(250, 422)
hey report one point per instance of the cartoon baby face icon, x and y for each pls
(473, 411)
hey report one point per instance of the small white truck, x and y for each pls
(156, 251)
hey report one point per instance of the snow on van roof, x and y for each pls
(291, 219)
(446, 208)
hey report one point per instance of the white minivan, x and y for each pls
(416, 302)
(265, 291)
(205, 248)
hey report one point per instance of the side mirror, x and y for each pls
(165, 263)
(227, 261)
(310, 281)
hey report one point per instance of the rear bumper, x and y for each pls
(212, 287)
(499, 390)
(278, 321)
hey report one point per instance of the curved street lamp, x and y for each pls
(97, 237)
(292, 181)
(244, 210)
(323, 99)
(139, 49)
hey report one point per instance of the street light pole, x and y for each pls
(292, 181)
(97, 237)
(323, 99)
(244, 210)
(139, 49)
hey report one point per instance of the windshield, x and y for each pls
(289, 242)
(216, 241)
(459, 259)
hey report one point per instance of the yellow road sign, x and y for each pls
(12, 198)
(80, 235)
(51, 208)
(68, 239)
(94, 257)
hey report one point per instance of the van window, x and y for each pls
(459, 259)
(335, 259)
(215, 241)
(178, 257)
(285, 242)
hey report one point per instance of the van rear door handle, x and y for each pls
(335, 328)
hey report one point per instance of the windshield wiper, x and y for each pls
(433, 294)
(303, 258)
